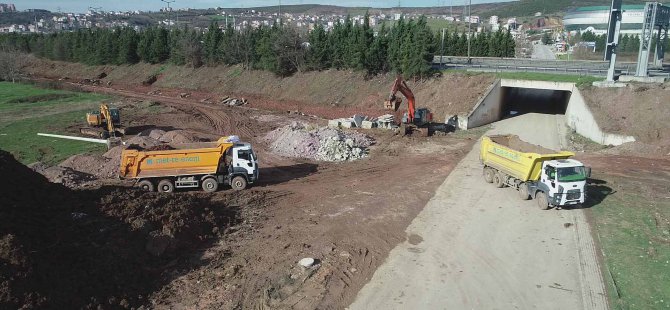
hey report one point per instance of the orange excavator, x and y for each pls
(414, 119)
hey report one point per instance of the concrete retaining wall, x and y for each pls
(487, 110)
(578, 116)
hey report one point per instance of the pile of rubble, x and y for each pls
(386, 121)
(319, 143)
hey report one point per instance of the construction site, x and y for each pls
(221, 188)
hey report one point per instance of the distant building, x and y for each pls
(595, 19)
(397, 16)
(5, 8)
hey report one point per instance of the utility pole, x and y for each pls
(442, 49)
(169, 11)
(469, 23)
(280, 13)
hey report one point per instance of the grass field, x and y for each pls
(633, 225)
(537, 76)
(26, 110)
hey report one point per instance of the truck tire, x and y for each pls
(523, 191)
(498, 180)
(146, 185)
(165, 186)
(238, 183)
(542, 201)
(210, 185)
(488, 175)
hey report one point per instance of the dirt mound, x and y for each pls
(66, 249)
(179, 136)
(515, 143)
(62, 175)
(637, 110)
(302, 141)
(96, 165)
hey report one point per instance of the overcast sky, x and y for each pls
(127, 5)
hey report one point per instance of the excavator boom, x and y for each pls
(399, 85)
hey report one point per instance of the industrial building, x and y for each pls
(595, 18)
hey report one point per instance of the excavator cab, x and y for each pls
(103, 123)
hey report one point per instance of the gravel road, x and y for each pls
(475, 246)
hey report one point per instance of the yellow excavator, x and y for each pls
(104, 123)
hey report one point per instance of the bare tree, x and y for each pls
(11, 64)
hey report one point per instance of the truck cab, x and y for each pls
(241, 161)
(563, 181)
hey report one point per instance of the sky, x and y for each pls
(154, 5)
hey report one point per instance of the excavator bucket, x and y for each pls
(392, 104)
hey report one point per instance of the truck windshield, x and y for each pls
(571, 174)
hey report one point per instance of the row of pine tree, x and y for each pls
(407, 48)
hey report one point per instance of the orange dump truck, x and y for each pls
(192, 165)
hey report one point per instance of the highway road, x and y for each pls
(475, 246)
(541, 51)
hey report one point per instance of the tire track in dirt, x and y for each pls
(224, 120)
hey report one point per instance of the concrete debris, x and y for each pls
(233, 101)
(184, 95)
(327, 144)
(339, 149)
(306, 262)
(386, 121)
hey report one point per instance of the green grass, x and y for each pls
(577, 79)
(26, 110)
(634, 233)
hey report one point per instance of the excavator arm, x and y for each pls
(107, 116)
(401, 86)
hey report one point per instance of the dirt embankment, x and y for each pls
(639, 110)
(106, 248)
(448, 95)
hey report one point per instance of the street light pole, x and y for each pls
(442, 48)
(169, 11)
(469, 23)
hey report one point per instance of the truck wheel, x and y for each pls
(488, 175)
(498, 180)
(210, 185)
(146, 185)
(165, 186)
(523, 191)
(238, 183)
(542, 201)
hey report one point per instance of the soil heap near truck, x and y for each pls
(548, 176)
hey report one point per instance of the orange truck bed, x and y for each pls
(191, 161)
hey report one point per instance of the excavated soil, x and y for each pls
(515, 143)
(640, 110)
(346, 215)
(110, 247)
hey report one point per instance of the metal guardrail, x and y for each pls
(576, 67)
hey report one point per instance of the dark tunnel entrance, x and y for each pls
(517, 101)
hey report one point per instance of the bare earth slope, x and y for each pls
(449, 95)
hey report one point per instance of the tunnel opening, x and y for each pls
(515, 101)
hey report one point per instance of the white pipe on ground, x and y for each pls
(103, 141)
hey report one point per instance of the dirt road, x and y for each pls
(475, 246)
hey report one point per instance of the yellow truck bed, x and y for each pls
(182, 161)
(524, 163)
